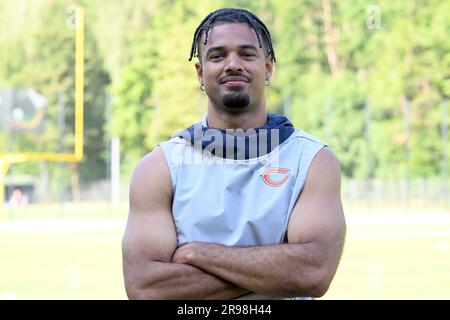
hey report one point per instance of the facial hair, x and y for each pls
(236, 100)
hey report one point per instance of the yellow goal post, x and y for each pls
(9, 158)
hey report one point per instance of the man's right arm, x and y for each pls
(150, 241)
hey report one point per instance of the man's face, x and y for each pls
(233, 67)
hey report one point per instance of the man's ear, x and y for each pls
(199, 69)
(269, 67)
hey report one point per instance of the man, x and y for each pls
(260, 215)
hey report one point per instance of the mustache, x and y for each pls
(234, 76)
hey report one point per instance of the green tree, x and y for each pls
(39, 54)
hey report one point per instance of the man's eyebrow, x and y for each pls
(248, 46)
(212, 49)
(222, 48)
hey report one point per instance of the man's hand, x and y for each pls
(188, 252)
(185, 253)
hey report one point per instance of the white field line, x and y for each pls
(380, 219)
(65, 239)
(422, 223)
(399, 235)
(67, 225)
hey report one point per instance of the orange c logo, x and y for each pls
(266, 176)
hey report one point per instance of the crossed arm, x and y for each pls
(305, 266)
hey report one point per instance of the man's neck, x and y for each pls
(225, 120)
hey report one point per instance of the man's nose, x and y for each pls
(233, 63)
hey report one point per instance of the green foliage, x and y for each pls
(157, 93)
(405, 56)
(40, 54)
(332, 65)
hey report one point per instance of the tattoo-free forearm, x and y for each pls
(278, 270)
(161, 280)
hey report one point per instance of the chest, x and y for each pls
(234, 204)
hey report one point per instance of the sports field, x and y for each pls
(74, 252)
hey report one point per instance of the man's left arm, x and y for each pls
(305, 266)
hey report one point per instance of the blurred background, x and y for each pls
(370, 78)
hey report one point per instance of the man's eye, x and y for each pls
(249, 54)
(216, 56)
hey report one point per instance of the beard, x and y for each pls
(236, 100)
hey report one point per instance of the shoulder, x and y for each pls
(325, 171)
(326, 158)
(150, 163)
(150, 178)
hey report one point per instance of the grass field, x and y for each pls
(395, 261)
(387, 255)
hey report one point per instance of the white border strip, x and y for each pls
(67, 225)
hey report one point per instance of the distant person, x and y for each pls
(241, 204)
(18, 198)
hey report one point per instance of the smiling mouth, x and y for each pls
(235, 82)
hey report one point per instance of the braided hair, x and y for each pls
(232, 15)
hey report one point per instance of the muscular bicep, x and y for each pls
(150, 231)
(318, 217)
(149, 237)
